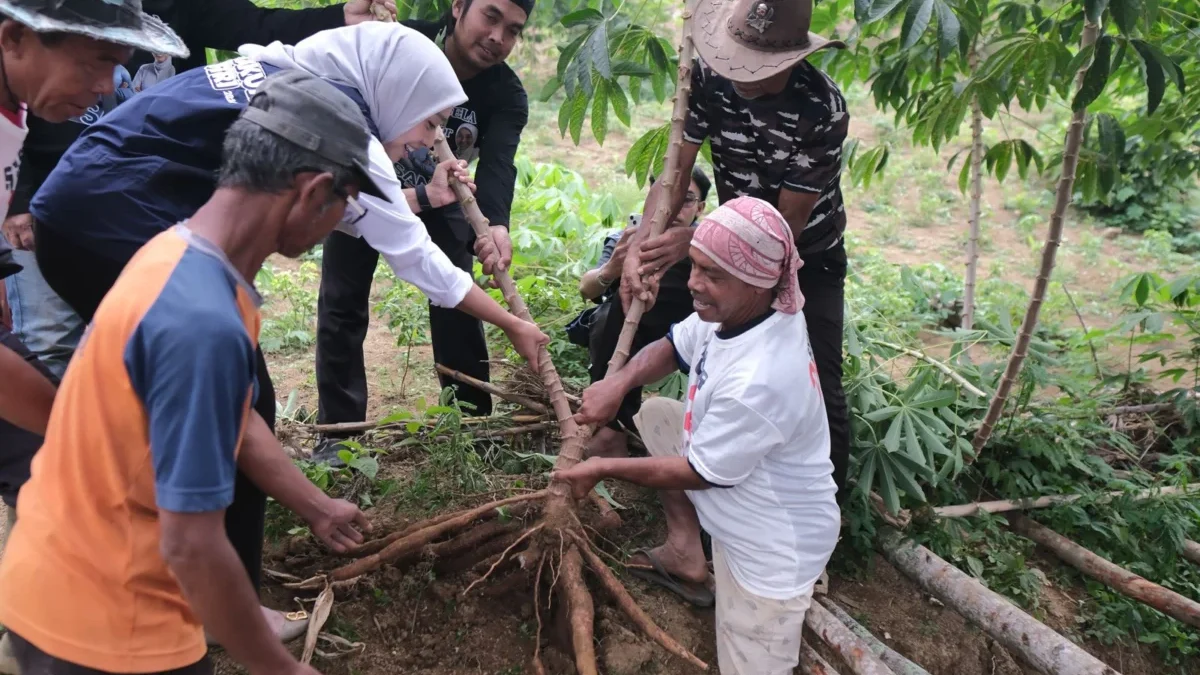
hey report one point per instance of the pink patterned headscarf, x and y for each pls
(750, 239)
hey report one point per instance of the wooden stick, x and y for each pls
(853, 651)
(811, 663)
(1003, 505)
(1021, 634)
(492, 389)
(890, 657)
(360, 427)
(516, 304)
(1114, 576)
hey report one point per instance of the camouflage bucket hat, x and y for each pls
(751, 40)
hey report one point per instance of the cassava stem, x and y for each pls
(1063, 194)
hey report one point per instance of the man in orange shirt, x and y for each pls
(119, 562)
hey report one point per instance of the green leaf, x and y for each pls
(881, 8)
(1126, 14)
(549, 89)
(964, 177)
(620, 104)
(891, 440)
(866, 474)
(1096, 76)
(1156, 76)
(582, 17)
(935, 399)
(1112, 149)
(598, 49)
(1003, 161)
(916, 21)
(565, 55)
(975, 565)
(602, 490)
(887, 486)
(1142, 291)
(366, 465)
(882, 413)
(1094, 9)
(564, 115)
(862, 9)
(630, 69)
(600, 111)
(950, 416)
(398, 416)
(948, 29)
(912, 444)
(579, 106)
(906, 481)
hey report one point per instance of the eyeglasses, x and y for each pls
(691, 198)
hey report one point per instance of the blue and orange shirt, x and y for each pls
(149, 417)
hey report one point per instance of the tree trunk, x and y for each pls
(1066, 186)
(968, 318)
(849, 648)
(1114, 576)
(1003, 505)
(1021, 634)
(890, 657)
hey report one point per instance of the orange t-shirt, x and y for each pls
(149, 416)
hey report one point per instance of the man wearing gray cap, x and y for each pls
(124, 509)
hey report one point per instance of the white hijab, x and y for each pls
(401, 74)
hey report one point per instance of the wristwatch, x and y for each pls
(423, 199)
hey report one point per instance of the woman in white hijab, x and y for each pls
(409, 91)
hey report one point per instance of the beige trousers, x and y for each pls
(755, 635)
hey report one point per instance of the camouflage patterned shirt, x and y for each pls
(791, 140)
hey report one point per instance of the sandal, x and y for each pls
(695, 594)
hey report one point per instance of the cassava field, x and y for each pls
(1104, 406)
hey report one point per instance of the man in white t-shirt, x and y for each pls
(746, 456)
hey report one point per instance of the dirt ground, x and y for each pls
(418, 620)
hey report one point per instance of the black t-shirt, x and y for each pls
(790, 140)
(488, 128)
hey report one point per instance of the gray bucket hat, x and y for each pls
(118, 21)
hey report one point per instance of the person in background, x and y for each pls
(125, 508)
(746, 456)
(478, 37)
(776, 125)
(152, 73)
(673, 305)
(123, 84)
(42, 320)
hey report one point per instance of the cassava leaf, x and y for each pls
(583, 17)
(948, 29)
(916, 21)
(1126, 14)
(1094, 9)
(600, 111)
(620, 104)
(1096, 76)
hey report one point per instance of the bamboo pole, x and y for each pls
(890, 657)
(1110, 574)
(1063, 195)
(1019, 633)
(1003, 505)
(492, 389)
(850, 649)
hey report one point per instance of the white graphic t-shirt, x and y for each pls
(12, 137)
(755, 428)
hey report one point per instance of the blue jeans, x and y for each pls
(42, 321)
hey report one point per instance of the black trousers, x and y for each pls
(823, 283)
(602, 342)
(81, 279)
(343, 313)
(34, 661)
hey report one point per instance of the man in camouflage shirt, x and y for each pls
(776, 125)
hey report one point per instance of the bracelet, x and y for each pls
(423, 199)
(604, 281)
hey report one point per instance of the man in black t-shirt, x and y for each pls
(477, 35)
(776, 125)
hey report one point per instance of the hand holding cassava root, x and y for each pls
(556, 546)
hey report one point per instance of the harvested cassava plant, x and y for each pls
(554, 549)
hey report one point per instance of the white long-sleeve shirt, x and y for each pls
(400, 237)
